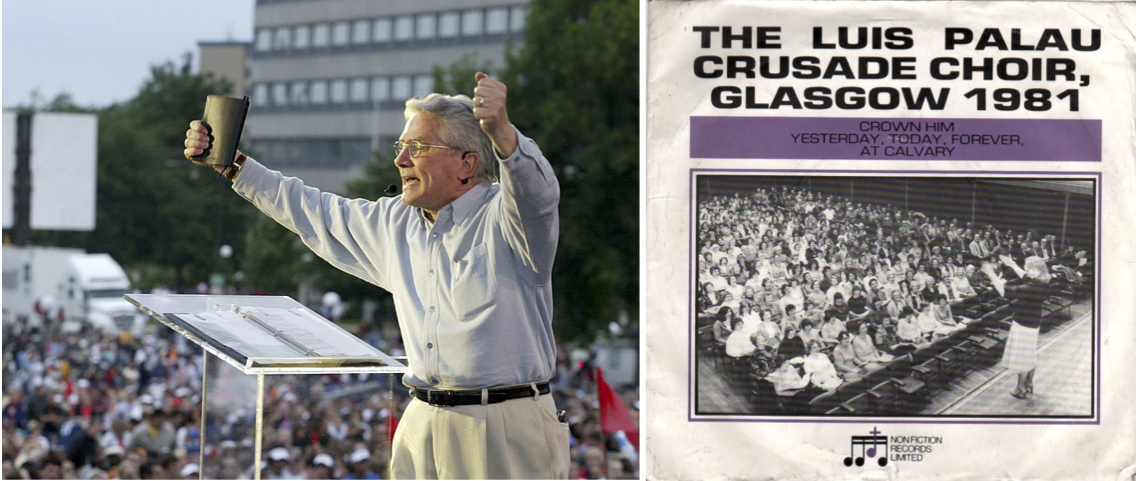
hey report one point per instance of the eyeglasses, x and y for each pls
(416, 148)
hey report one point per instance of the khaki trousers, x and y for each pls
(515, 439)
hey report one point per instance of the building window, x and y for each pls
(282, 38)
(401, 87)
(340, 33)
(358, 90)
(497, 21)
(448, 25)
(260, 95)
(302, 37)
(472, 23)
(280, 94)
(403, 28)
(263, 40)
(321, 35)
(381, 30)
(361, 32)
(380, 89)
(338, 91)
(425, 28)
(517, 19)
(319, 92)
(300, 93)
(423, 85)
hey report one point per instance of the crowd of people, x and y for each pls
(814, 290)
(90, 405)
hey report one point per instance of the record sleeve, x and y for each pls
(890, 240)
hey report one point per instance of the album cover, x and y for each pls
(890, 240)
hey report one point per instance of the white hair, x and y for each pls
(458, 128)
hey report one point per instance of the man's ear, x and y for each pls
(468, 166)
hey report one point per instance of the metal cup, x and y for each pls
(224, 118)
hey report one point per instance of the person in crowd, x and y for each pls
(192, 471)
(822, 373)
(740, 342)
(809, 332)
(787, 379)
(859, 307)
(908, 329)
(1020, 355)
(359, 465)
(154, 434)
(790, 319)
(723, 324)
(864, 347)
(792, 346)
(844, 359)
(322, 466)
(838, 306)
(830, 330)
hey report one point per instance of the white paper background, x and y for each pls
(676, 448)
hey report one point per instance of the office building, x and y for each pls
(328, 78)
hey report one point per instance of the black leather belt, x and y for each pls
(466, 398)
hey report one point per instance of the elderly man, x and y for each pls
(469, 263)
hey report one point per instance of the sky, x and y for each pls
(100, 52)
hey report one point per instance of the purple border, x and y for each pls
(743, 418)
(1051, 140)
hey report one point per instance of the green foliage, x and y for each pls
(154, 208)
(459, 77)
(378, 174)
(271, 259)
(574, 88)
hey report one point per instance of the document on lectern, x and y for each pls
(846, 205)
(263, 333)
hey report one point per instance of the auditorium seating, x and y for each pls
(900, 388)
(905, 385)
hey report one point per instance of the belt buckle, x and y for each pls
(439, 398)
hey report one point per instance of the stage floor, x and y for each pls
(1063, 382)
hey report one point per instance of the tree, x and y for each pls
(271, 258)
(155, 210)
(574, 88)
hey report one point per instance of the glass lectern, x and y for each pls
(259, 336)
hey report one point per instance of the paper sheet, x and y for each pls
(1018, 113)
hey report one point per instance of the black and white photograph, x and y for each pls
(887, 295)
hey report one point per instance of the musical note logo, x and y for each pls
(875, 440)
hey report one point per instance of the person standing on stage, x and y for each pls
(469, 263)
(1021, 349)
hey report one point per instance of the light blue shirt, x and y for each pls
(472, 290)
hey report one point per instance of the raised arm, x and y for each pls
(344, 232)
(532, 193)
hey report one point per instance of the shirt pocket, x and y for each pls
(475, 286)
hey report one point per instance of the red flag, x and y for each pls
(613, 413)
(392, 425)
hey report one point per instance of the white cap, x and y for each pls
(278, 454)
(359, 456)
(189, 469)
(324, 459)
(114, 450)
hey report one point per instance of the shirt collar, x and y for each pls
(462, 207)
(469, 202)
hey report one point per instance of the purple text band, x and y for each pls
(895, 139)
